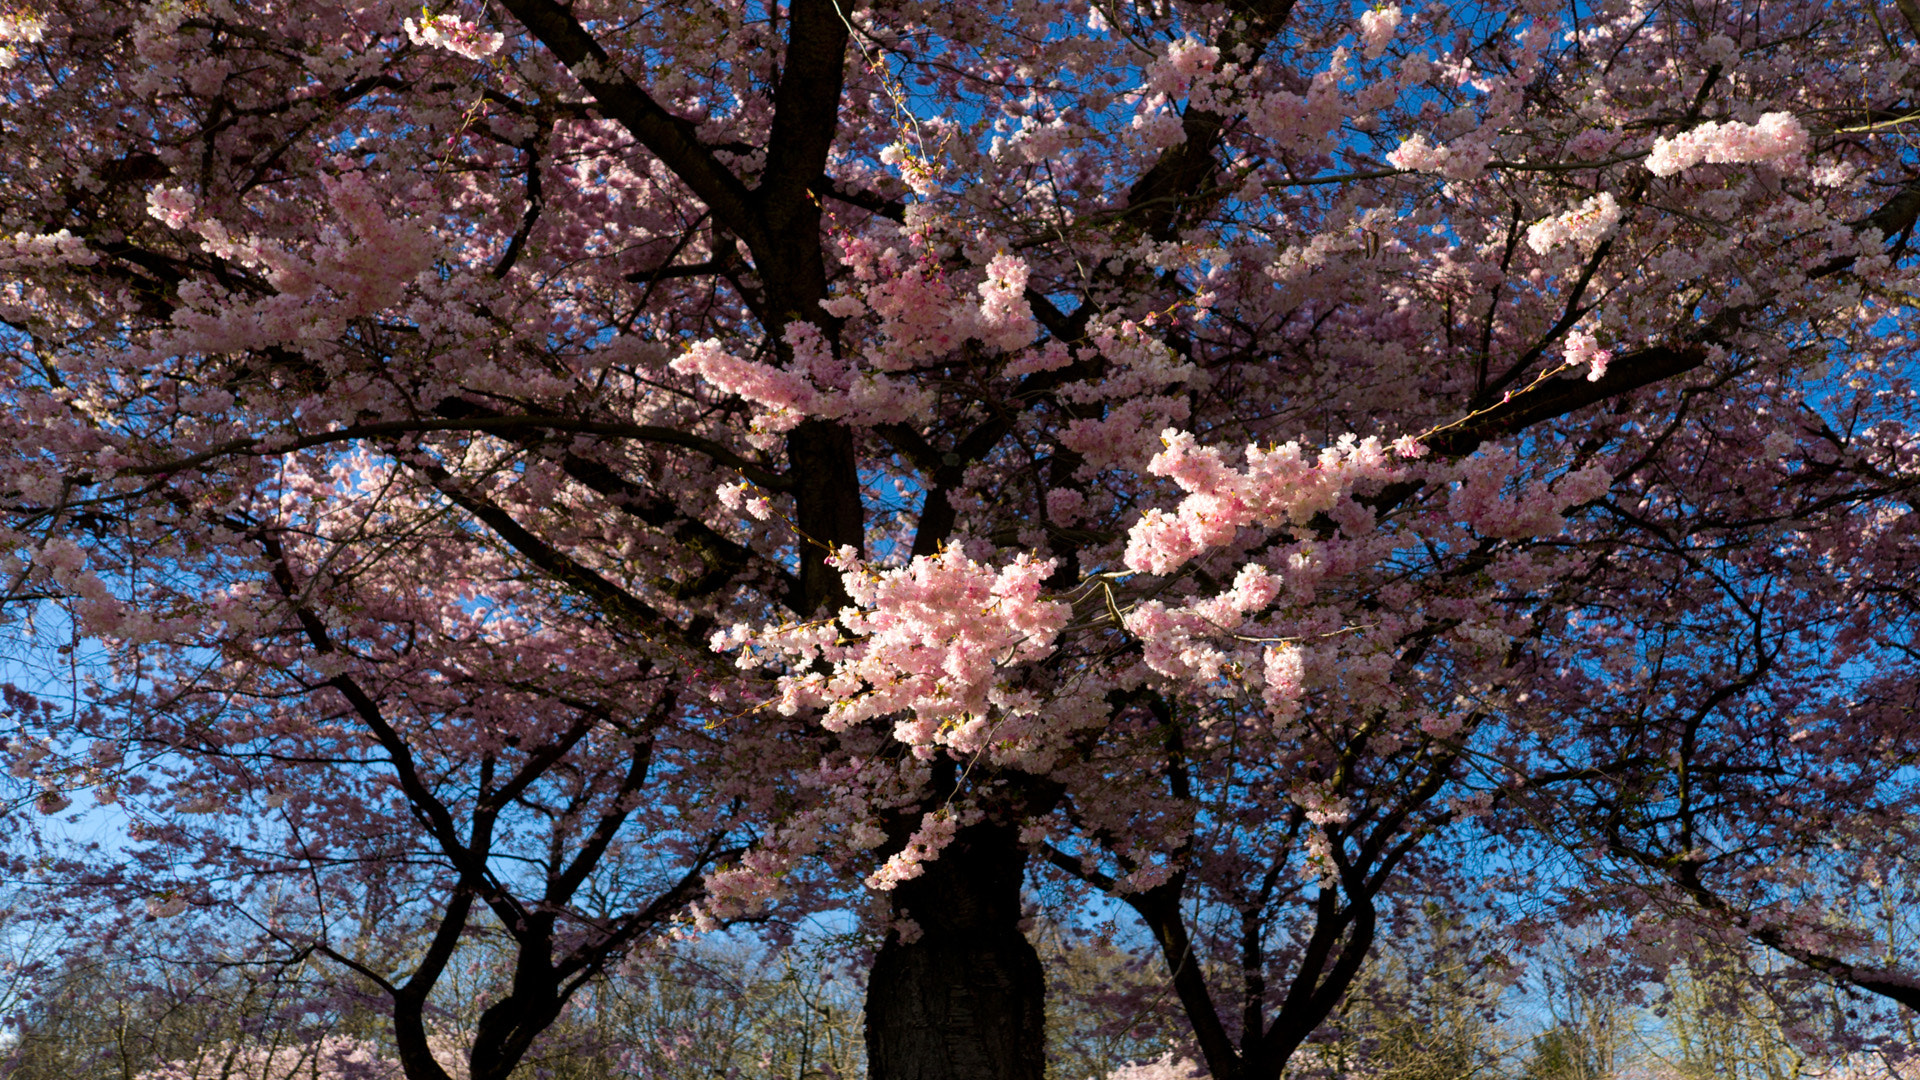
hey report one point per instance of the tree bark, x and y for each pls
(966, 999)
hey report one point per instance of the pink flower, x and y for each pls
(60, 556)
(1417, 154)
(1285, 677)
(935, 639)
(1376, 30)
(787, 396)
(1583, 349)
(1007, 320)
(454, 35)
(1778, 136)
(1166, 1067)
(1463, 159)
(936, 831)
(1585, 225)
(1278, 486)
(1185, 62)
(1483, 500)
(171, 205)
(1065, 505)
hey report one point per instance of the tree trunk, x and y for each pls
(965, 1000)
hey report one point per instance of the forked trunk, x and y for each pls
(965, 1000)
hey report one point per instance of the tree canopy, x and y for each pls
(583, 473)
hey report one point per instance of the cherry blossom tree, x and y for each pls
(334, 1058)
(574, 471)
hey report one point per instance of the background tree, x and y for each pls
(1430, 1004)
(1592, 1030)
(1721, 1028)
(1109, 1002)
(719, 1010)
(122, 1013)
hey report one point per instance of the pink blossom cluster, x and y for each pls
(855, 793)
(64, 564)
(936, 831)
(171, 206)
(748, 886)
(788, 396)
(930, 641)
(1124, 437)
(1583, 226)
(817, 384)
(1157, 125)
(345, 274)
(1583, 349)
(454, 34)
(1185, 62)
(742, 497)
(332, 1057)
(1305, 121)
(1870, 1066)
(1182, 641)
(915, 315)
(1038, 141)
(1142, 379)
(1006, 319)
(1169, 1066)
(1487, 498)
(22, 26)
(919, 313)
(22, 249)
(1323, 805)
(16, 29)
(1283, 679)
(1461, 159)
(1279, 486)
(1775, 137)
(1377, 26)
(26, 753)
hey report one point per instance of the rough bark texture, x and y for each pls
(965, 1000)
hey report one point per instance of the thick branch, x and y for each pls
(1552, 398)
(1160, 909)
(672, 139)
(482, 422)
(553, 562)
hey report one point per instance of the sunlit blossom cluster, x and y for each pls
(453, 34)
(1775, 137)
(1584, 226)
(1282, 485)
